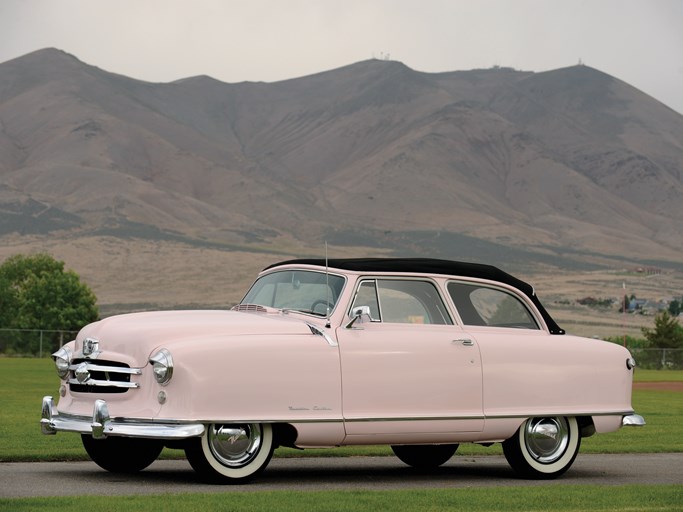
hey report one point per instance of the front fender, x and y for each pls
(253, 378)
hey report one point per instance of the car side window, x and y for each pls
(367, 296)
(402, 301)
(493, 307)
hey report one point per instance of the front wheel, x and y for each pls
(425, 456)
(232, 453)
(543, 448)
(122, 454)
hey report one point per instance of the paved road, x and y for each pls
(323, 473)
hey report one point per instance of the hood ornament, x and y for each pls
(91, 347)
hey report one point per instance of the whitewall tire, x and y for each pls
(544, 447)
(231, 453)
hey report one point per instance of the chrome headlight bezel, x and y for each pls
(62, 359)
(162, 366)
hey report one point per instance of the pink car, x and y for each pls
(419, 354)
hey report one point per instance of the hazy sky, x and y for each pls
(638, 41)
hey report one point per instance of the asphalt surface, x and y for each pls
(329, 473)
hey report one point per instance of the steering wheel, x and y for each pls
(318, 302)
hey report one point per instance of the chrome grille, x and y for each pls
(90, 376)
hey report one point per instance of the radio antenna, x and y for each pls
(327, 288)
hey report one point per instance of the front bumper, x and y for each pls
(101, 425)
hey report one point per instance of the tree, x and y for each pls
(667, 332)
(8, 303)
(37, 293)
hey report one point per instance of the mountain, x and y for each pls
(564, 167)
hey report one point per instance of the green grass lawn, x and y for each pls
(562, 498)
(25, 381)
(658, 375)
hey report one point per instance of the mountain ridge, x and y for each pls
(565, 161)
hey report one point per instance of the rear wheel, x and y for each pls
(231, 453)
(543, 448)
(122, 454)
(425, 456)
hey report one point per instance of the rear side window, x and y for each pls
(493, 307)
(402, 301)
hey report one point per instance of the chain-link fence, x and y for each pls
(658, 358)
(33, 342)
(42, 343)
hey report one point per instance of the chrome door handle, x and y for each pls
(465, 341)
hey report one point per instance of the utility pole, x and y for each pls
(623, 309)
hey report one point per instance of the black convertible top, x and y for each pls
(431, 266)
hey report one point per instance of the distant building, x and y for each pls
(646, 306)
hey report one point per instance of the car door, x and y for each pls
(406, 369)
(526, 369)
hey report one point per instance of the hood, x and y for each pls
(131, 338)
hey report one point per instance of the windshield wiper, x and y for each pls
(305, 311)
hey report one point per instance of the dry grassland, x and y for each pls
(557, 288)
(134, 275)
(130, 275)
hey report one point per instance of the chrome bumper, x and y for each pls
(101, 425)
(632, 420)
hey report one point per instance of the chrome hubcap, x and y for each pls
(234, 445)
(546, 438)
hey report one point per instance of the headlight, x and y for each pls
(162, 365)
(62, 359)
(630, 363)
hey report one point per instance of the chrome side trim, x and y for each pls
(102, 426)
(318, 331)
(426, 418)
(488, 417)
(632, 420)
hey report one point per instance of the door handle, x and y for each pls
(465, 341)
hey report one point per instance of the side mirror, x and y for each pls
(359, 313)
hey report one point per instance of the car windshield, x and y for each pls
(299, 290)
